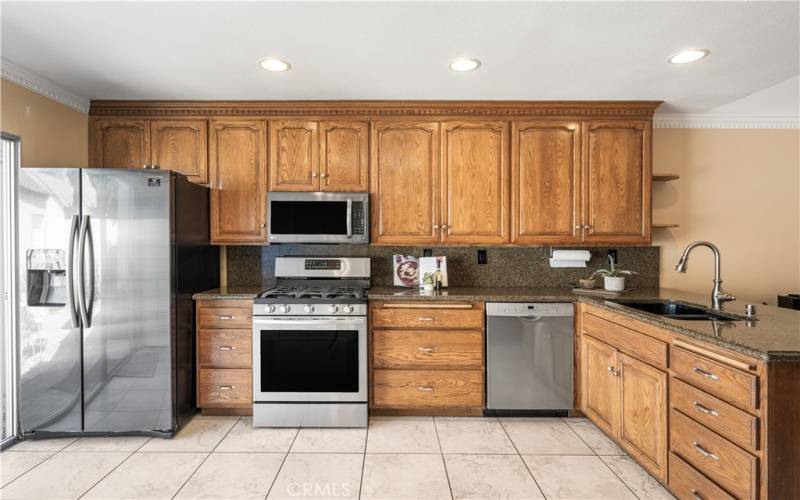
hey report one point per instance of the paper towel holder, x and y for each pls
(552, 249)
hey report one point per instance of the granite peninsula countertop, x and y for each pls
(774, 337)
(229, 293)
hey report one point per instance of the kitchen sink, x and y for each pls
(677, 310)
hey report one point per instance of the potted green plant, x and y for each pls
(613, 278)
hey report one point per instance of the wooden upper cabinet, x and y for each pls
(545, 180)
(181, 146)
(617, 181)
(404, 182)
(643, 413)
(119, 143)
(294, 156)
(238, 167)
(475, 185)
(344, 156)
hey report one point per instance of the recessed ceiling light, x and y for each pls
(274, 64)
(687, 56)
(465, 64)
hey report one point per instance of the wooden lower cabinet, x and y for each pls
(438, 369)
(708, 422)
(225, 356)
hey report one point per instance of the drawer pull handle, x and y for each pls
(225, 387)
(224, 316)
(426, 318)
(425, 388)
(225, 348)
(613, 371)
(426, 349)
(705, 452)
(705, 373)
(696, 495)
(707, 411)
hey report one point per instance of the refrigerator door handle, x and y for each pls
(85, 305)
(73, 306)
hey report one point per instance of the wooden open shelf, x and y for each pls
(665, 177)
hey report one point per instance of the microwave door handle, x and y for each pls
(349, 217)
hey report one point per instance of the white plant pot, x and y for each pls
(614, 284)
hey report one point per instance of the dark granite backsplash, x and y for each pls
(505, 267)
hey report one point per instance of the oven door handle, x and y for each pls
(305, 322)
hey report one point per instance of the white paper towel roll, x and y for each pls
(571, 255)
(567, 263)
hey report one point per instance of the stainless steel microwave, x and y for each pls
(318, 217)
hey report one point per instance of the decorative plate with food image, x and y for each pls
(406, 270)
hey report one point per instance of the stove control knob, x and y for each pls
(333, 308)
(309, 308)
(271, 308)
(348, 309)
(285, 308)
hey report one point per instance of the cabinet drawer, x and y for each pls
(688, 484)
(225, 348)
(633, 343)
(728, 465)
(427, 389)
(226, 387)
(427, 349)
(729, 421)
(730, 384)
(224, 318)
(419, 315)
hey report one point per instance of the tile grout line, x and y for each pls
(600, 457)
(52, 454)
(444, 462)
(363, 461)
(90, 488)
(278, 472)
(530, 472)
(205, 458)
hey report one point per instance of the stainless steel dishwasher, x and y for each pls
(529, 353)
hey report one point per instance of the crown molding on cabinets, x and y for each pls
(726, 121)
(430, 109)
(42, 86)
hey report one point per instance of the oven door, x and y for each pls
(307, 359)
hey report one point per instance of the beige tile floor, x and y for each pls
(396, 458)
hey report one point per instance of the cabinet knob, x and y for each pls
(587, 226)
(436, 226)
(323, 175)
(263, 225)
(313, 174)
(578, 226)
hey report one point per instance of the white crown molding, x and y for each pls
(42, 86)
(708, 120)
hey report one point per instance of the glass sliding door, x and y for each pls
(9, 162)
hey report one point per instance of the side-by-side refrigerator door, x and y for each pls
(124, 248)
(49, 325)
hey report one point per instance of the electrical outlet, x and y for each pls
(481, 256)
(613, 254)
(427, 252)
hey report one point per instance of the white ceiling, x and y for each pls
(377, 50)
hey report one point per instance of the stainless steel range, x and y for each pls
(310, 344)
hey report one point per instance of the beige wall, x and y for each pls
(53, 135)
(739, 189)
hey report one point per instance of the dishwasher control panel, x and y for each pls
(543, 309)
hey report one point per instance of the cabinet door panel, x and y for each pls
(120, 143)
(294, 160)
(475, 182)
(182, 146)
(404, 182)
(344, 156)
(600, 387)
(617, 181)
(239, 181)
(545, 182)
(643, 411)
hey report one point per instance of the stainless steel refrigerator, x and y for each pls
(109, 260)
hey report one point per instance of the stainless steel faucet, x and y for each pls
(718, 295)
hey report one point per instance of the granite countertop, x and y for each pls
(229, 293)
(775, 336)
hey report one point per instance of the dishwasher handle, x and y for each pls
(529, 319)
